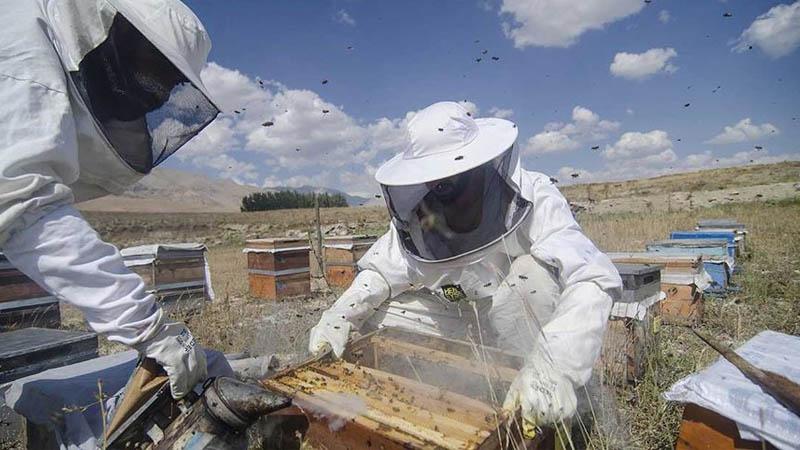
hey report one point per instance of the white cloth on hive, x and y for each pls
(725, 390)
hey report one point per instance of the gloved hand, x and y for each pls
(331, 331)
(176, 350)
(543, 393)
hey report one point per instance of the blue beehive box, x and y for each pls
(716, 258)
(729, 236)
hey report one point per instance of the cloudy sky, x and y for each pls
(319, 94)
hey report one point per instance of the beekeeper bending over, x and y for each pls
(93, 95)
(478, 243)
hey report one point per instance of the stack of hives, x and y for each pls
(683, 280)
(340, 255)
(177, 274)
(27, 315)
(23, 303)
(397, 389)
(278, 267)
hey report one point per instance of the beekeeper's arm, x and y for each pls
(570, 342)
(44, 237)
(383, 275)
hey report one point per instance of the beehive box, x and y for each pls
(33, 350)
(23, 303)
(341, 256)
(395, 389)
(630, 334)
(278, 267)
(727, 235)
(720, 223)
(716, 260)
(703, 429)
(175, 273)
(682, 281)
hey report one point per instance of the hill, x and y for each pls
(175, 191)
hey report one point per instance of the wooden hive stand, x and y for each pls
(395, 389)
(278, 267)
(631, 329)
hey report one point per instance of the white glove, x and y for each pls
(176, 350)
(543, 393)
(331, 331)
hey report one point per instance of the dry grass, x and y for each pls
(706, 180)
(769, 299)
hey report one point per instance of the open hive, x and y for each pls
(395, 389)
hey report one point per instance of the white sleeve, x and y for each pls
(63, 254)
(368, 291)
(573, 337)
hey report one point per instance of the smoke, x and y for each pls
(337, 408)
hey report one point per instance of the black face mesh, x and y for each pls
(447, 218)
(145, 106)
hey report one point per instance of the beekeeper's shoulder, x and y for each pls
(531, 184)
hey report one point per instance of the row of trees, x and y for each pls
(266, 201)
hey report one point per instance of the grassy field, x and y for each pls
(770, 283)
(769, 298)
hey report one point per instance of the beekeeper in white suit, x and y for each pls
(93, 95)
(479, 245)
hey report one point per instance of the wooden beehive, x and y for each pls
(703, 429)
(341, 256)
(278, 267)
(630, 333)
(23, 303)
(396, 389)
(174, 273)
(684, 302)
(33, 350)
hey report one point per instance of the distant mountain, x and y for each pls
(167, 190)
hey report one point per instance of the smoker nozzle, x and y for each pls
(238, 404)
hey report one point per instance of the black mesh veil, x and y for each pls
(146, 108)
(454, 216)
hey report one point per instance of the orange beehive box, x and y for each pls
(278, 267)
(341, 256)
(396, 389)
(703, 429)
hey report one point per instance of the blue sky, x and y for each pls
(554, 78)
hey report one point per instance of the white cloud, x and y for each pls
(654, 144)
(663, 16)
(776, 32)
(559, 23)
(743, 131)
(227, 167)
(291, 137)
(586, 126)
(638, 66)
(630, 111)
(343, 17)
(501, 113)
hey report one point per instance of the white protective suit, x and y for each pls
(62, 139)
(544, 291)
